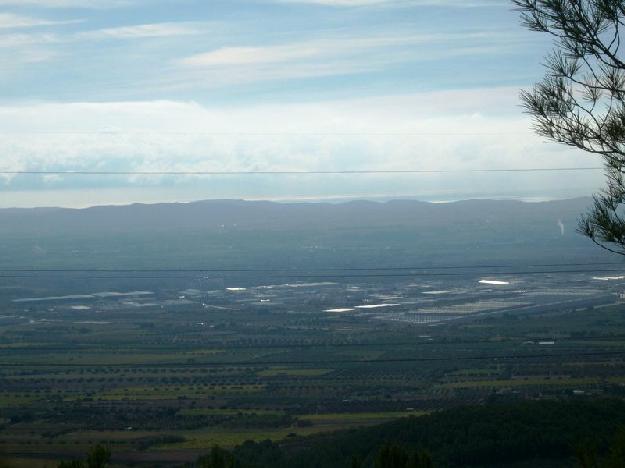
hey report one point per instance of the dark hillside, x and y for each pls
(541, 433)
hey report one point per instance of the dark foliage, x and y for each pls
(395, 456)
(493, 435)
(218, 458)
(98, 457)
(71, 464)
(581, 100)
(259, 454)
(615, 457)
(145, 443)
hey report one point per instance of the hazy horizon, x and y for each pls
(271, 86)
(328, 199)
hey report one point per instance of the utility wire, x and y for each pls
(318, 172)
(329, 344)
(299, 270)
(330, 276)
(319, 133)
(501, 357)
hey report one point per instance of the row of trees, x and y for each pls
(389, 456)
(98, 457)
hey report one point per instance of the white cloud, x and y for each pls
(28, 39)
(97, 4)
(12, 21)
(345, 3)
(298, 50)
(340, 56)
(328, 57)
(320, 48)
(140, 31)
(144, 31)
(19, 49)
(249, 55)
(396, 3)
(458, 130)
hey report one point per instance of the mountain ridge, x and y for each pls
(239, 232)
(357, 201)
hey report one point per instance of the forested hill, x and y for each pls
(528, 434)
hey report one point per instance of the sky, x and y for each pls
(272, 85)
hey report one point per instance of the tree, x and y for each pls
(71, 464)
(581, 100)
(420, 459)
(98, 457)
(356, 462)
(587, 454)
(217, 458)
(395, 456)
(391, 456)
(616, 455)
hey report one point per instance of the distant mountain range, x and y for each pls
(214, 214)
(237, 232)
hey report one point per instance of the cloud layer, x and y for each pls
(453, 130)
(269, 85)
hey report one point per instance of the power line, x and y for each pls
(312, 172)
(302, 275)
(302, 345)
(303, 270)
(319, 133)
(502, 357)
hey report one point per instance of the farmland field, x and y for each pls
(169, 375)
